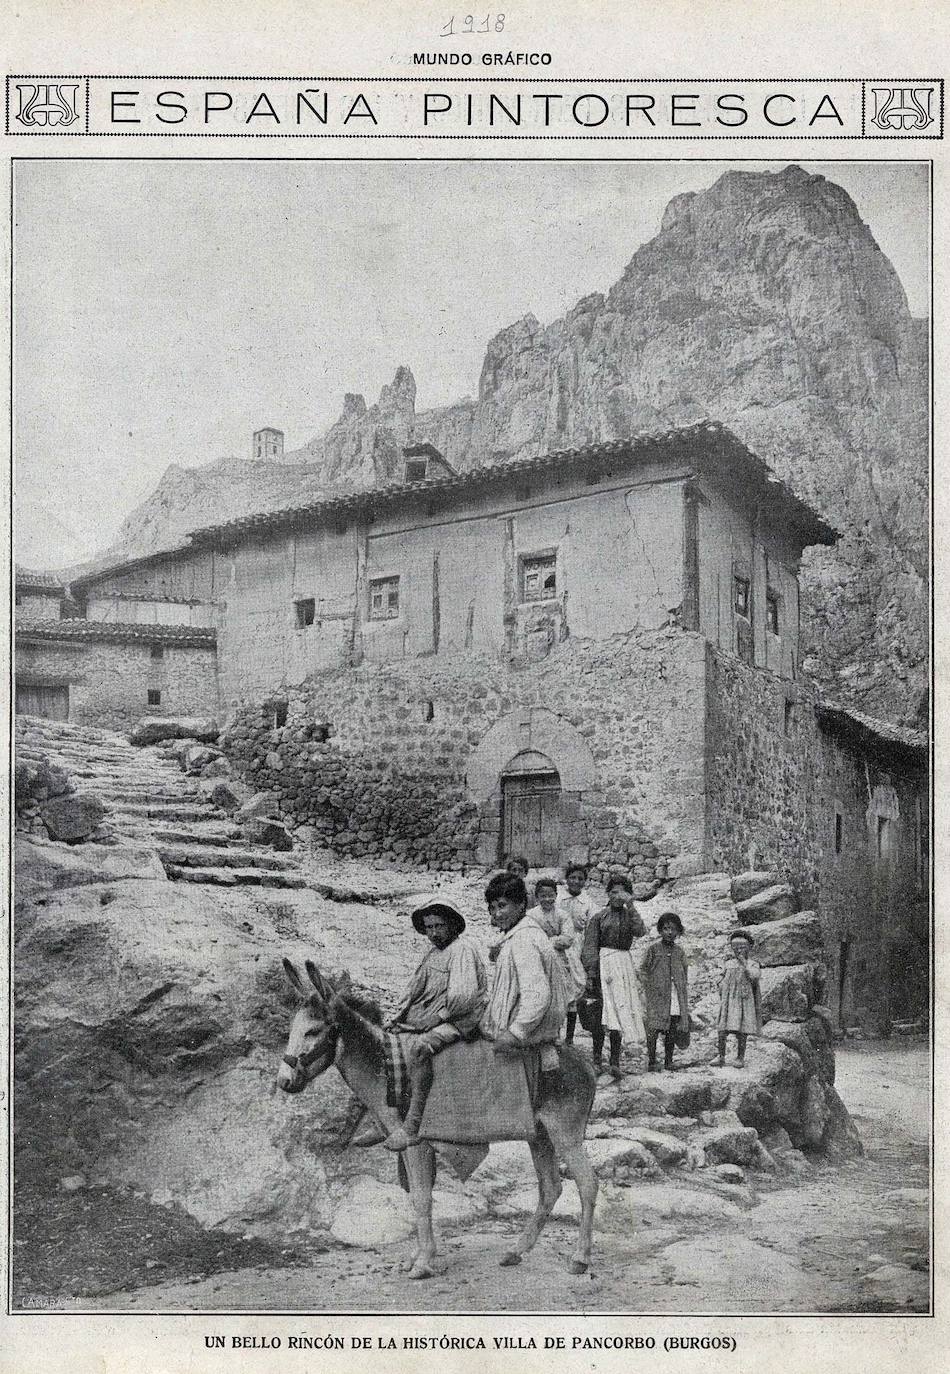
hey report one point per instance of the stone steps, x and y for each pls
(150, 796)
(152, 801)
(167, 811)
(200, 857)
(225, 836)
(234, 877)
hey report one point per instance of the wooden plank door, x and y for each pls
(50, 702)
(532, 818)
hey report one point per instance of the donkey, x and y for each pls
(333, 1025)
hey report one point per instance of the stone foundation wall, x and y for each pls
(403, 759)
(844, 829)
(109, 683)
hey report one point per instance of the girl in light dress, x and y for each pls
(578, 906)
(559, 930)
(740, 1011)
(611, 970)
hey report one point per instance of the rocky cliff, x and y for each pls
(763, 302)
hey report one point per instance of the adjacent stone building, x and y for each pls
(38, 595)
(140, 640)
(110, 675)
(592, 654)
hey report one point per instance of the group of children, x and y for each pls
(627, 1003)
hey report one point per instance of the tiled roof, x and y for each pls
(866, 729)
(28, 580)
(124, 565)
(710, 448)
(186, 636)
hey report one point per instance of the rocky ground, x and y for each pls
(151, 1146)
(848, 1237)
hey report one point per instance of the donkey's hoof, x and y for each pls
(577, 1267)
(510, 1260)
(422, 1271)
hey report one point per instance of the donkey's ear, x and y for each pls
(343, 982)
(324, 988)
(295, 979)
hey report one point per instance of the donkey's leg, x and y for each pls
(567, 1136)
(549, 1190)
(420, 1170)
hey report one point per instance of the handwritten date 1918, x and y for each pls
(471, 23)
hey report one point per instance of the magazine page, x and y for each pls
(472, 530)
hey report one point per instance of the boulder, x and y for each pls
(812, 1041)
(152, 729)
(622, 1210)
(792, 940)
(725, 1145)
(266, 832)
(668, 1150)
(72, 818)
(771, 904)
(788, 992)
(162, 1017)
(729, 1173)
(223, 794)
(197, 755)
(261, 804)
(899, 1285)
(372, 1213)
(606, 1155)
(44, 866)
(216, 768)
(36, 780)
(746, 885)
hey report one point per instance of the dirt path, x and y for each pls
(845, 1237)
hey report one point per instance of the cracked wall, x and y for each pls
(619, 555)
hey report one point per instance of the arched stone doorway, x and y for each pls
(527, 772)
(531, 809)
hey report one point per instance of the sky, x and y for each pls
(163, 309)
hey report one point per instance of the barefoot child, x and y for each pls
(739, 1007)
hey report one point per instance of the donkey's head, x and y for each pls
(312, 1042)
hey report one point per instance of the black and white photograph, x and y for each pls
(471, 750)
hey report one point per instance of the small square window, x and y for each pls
(417, 470)
(154, 697)
(741, 592)
(771, 611)
(157, 651)
(384, 598)
(306, 611)
(539, 577)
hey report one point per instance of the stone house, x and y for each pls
(591, 654)
(38, 595)
(110, 675)
(121, 655)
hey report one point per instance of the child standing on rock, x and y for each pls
(665, 982)
(578, 906)
(740, 1012)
